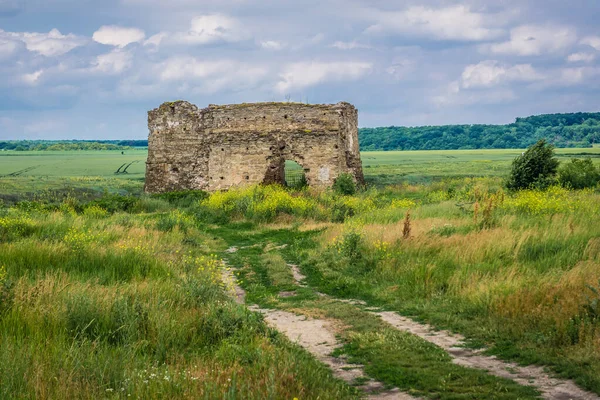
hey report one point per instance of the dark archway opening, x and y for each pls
(294, 175)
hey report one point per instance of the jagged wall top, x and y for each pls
(227, 145)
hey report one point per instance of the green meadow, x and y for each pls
(106, 292)
(38, 171)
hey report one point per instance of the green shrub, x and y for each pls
(70, 206)
(199, 291)
(261, 203)
(350, 244)
(95, 212)
(184, 198)
(300, 184)
(345, 185)
(15, 226)
(168, 222)
(152, 205)
(115, 202)
(535, 168)
(30, 206)
(579, 174)
(340, 211)
(228, 321)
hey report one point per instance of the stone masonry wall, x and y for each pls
(219, 147)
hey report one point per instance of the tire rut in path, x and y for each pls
(551, 388)
(318, 338)
(453, 344)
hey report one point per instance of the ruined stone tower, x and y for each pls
(223, 146)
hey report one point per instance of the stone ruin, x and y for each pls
(219, 147)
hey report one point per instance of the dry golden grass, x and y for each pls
(507, 268)
(592, 250)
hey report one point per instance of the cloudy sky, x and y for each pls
(90, 69)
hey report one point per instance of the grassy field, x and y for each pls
(383, 168)
(111, 296)
(72, 163)
(101, 305)
(39, 172)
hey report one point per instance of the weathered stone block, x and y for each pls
(219, 147)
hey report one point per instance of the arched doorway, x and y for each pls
(294, 175)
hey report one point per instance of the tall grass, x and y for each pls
(267, 203)
(122, 295)
(99, 303)
(519, 272)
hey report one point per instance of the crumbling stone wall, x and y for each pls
(223, 146)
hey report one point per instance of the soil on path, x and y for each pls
(551, 388)
(454, 345)
(318, 337)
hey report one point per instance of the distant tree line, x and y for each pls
(67, 145)
(561, 130)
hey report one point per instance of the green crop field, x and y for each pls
(72, 163)
(268, 292)
(23, 172)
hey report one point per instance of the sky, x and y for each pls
(91, 69)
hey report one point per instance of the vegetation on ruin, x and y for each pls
(108, 293)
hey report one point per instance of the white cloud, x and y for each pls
(400, 69)
(118, 36)
(7, 46)
(208, 76)
(155, 40)
(204, 29)
(581, 57)
(318, 38)
(182, 4)
(272, 45)
(182, 68)
(453, 96)
(10, 7)
(593, 41)
(490, 73)
(48, 44)
(576, 76)
(114, 62)
(485, 83)
(349, 45)
(304, 74)
(213, 28)
(530, 40)
(465, 98)
(45, 125)
(32, 78)
(447, 23)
